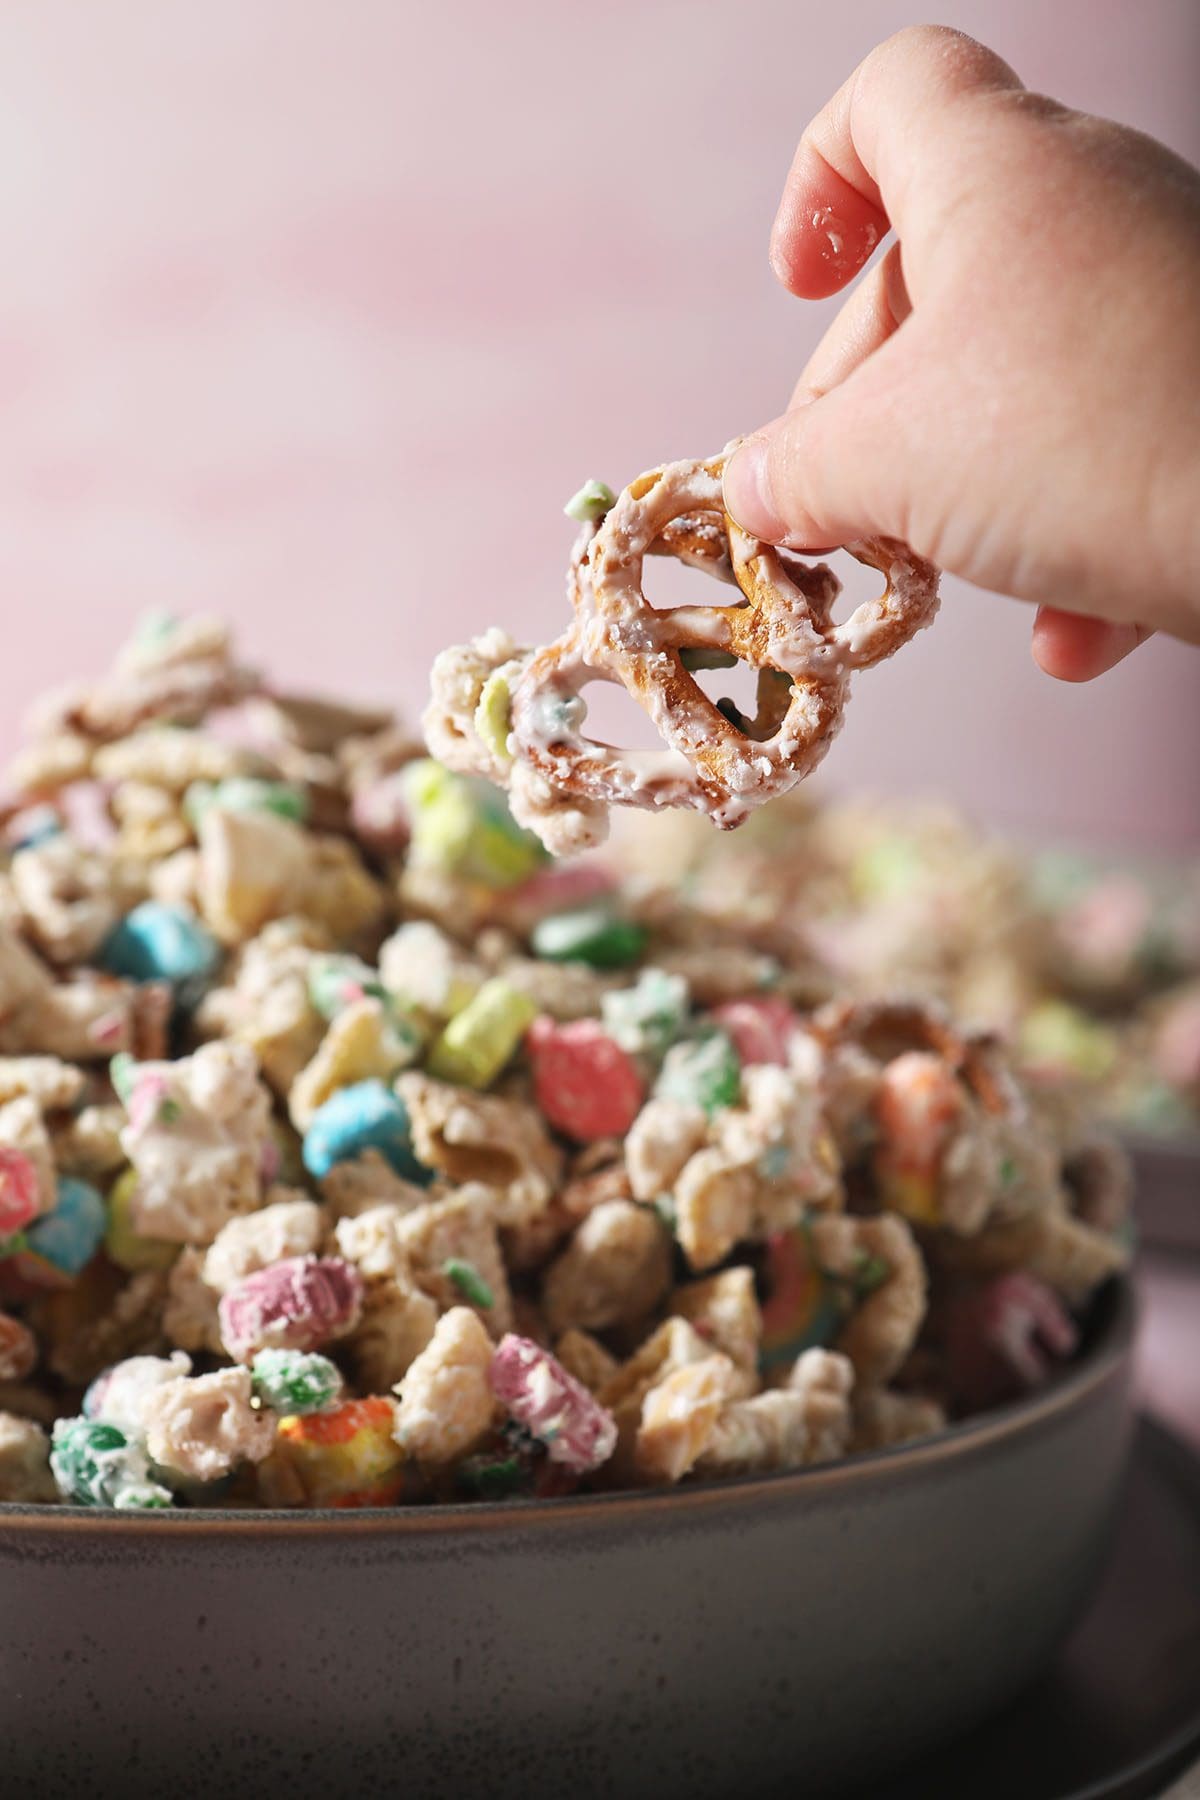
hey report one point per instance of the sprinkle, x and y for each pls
(469, 1282)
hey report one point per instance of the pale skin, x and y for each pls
(1013, 387)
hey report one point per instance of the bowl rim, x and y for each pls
(1102, 1363)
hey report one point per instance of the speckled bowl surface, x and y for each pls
(791, 1633)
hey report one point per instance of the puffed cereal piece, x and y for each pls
(446, 1400)
(365, 1182)
(883, 1417)
(564, 991)
(724, 1309)
(371, 1240)
(422, 967)
(189, 1317)
(458, 1230)
(199, 1137)
(49, 1081)
(199, 1428)
(1069, 1256)
(584, 1357)
(716, 973)
(89, 1142)
(567, 825)
(339, 891)
(714, 1206)
(669, 1346)
(89, 1017)
(23, 976)
(253, 868)
(665, 1134)
(118, 1395)
(282, 1228)
(256, 866)
(674, 1344)
(396, 1323)
(269, 1006)
(70, 896)
(54, 762)
(779, 1131)
(883, 1326)
(25, 1462)
(175, 879)
(483, 1138)
(614, 1271)
(785, 1428)
(170, 759)
(361, 1043)
(315, 722)
(679, 1415)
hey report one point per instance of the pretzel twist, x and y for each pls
(715, 761)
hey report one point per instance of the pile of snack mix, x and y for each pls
(352, 1153)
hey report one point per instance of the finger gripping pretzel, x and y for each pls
(715, 760)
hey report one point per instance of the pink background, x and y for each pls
(314, 311)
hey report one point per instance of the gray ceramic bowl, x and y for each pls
(801, 1631)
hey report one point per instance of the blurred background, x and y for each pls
(314, 314)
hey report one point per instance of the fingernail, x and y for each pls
(748, 491)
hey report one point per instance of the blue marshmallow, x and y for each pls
(156, 942)
(69, 1237)
(364, 1116)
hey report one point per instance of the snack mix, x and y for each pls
(354, 1154)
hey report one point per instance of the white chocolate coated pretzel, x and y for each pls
(780, 627)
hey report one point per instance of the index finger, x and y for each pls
(856, 165)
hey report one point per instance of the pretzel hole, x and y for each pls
(667, 581)
(858, 582)
(734, 691)
(612, 717)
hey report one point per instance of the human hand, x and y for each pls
(1012, 388)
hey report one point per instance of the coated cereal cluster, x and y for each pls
(353, 1154)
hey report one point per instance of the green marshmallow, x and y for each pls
(462, 824)
(246, 793)
(295, 1381)
(483, 1037)
(335, 982)
(703, 1071)
(493, 717)
(590, 934)
(96, 1464)
(594, 499)
(645, 1019)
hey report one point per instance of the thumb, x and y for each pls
(834, 468)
